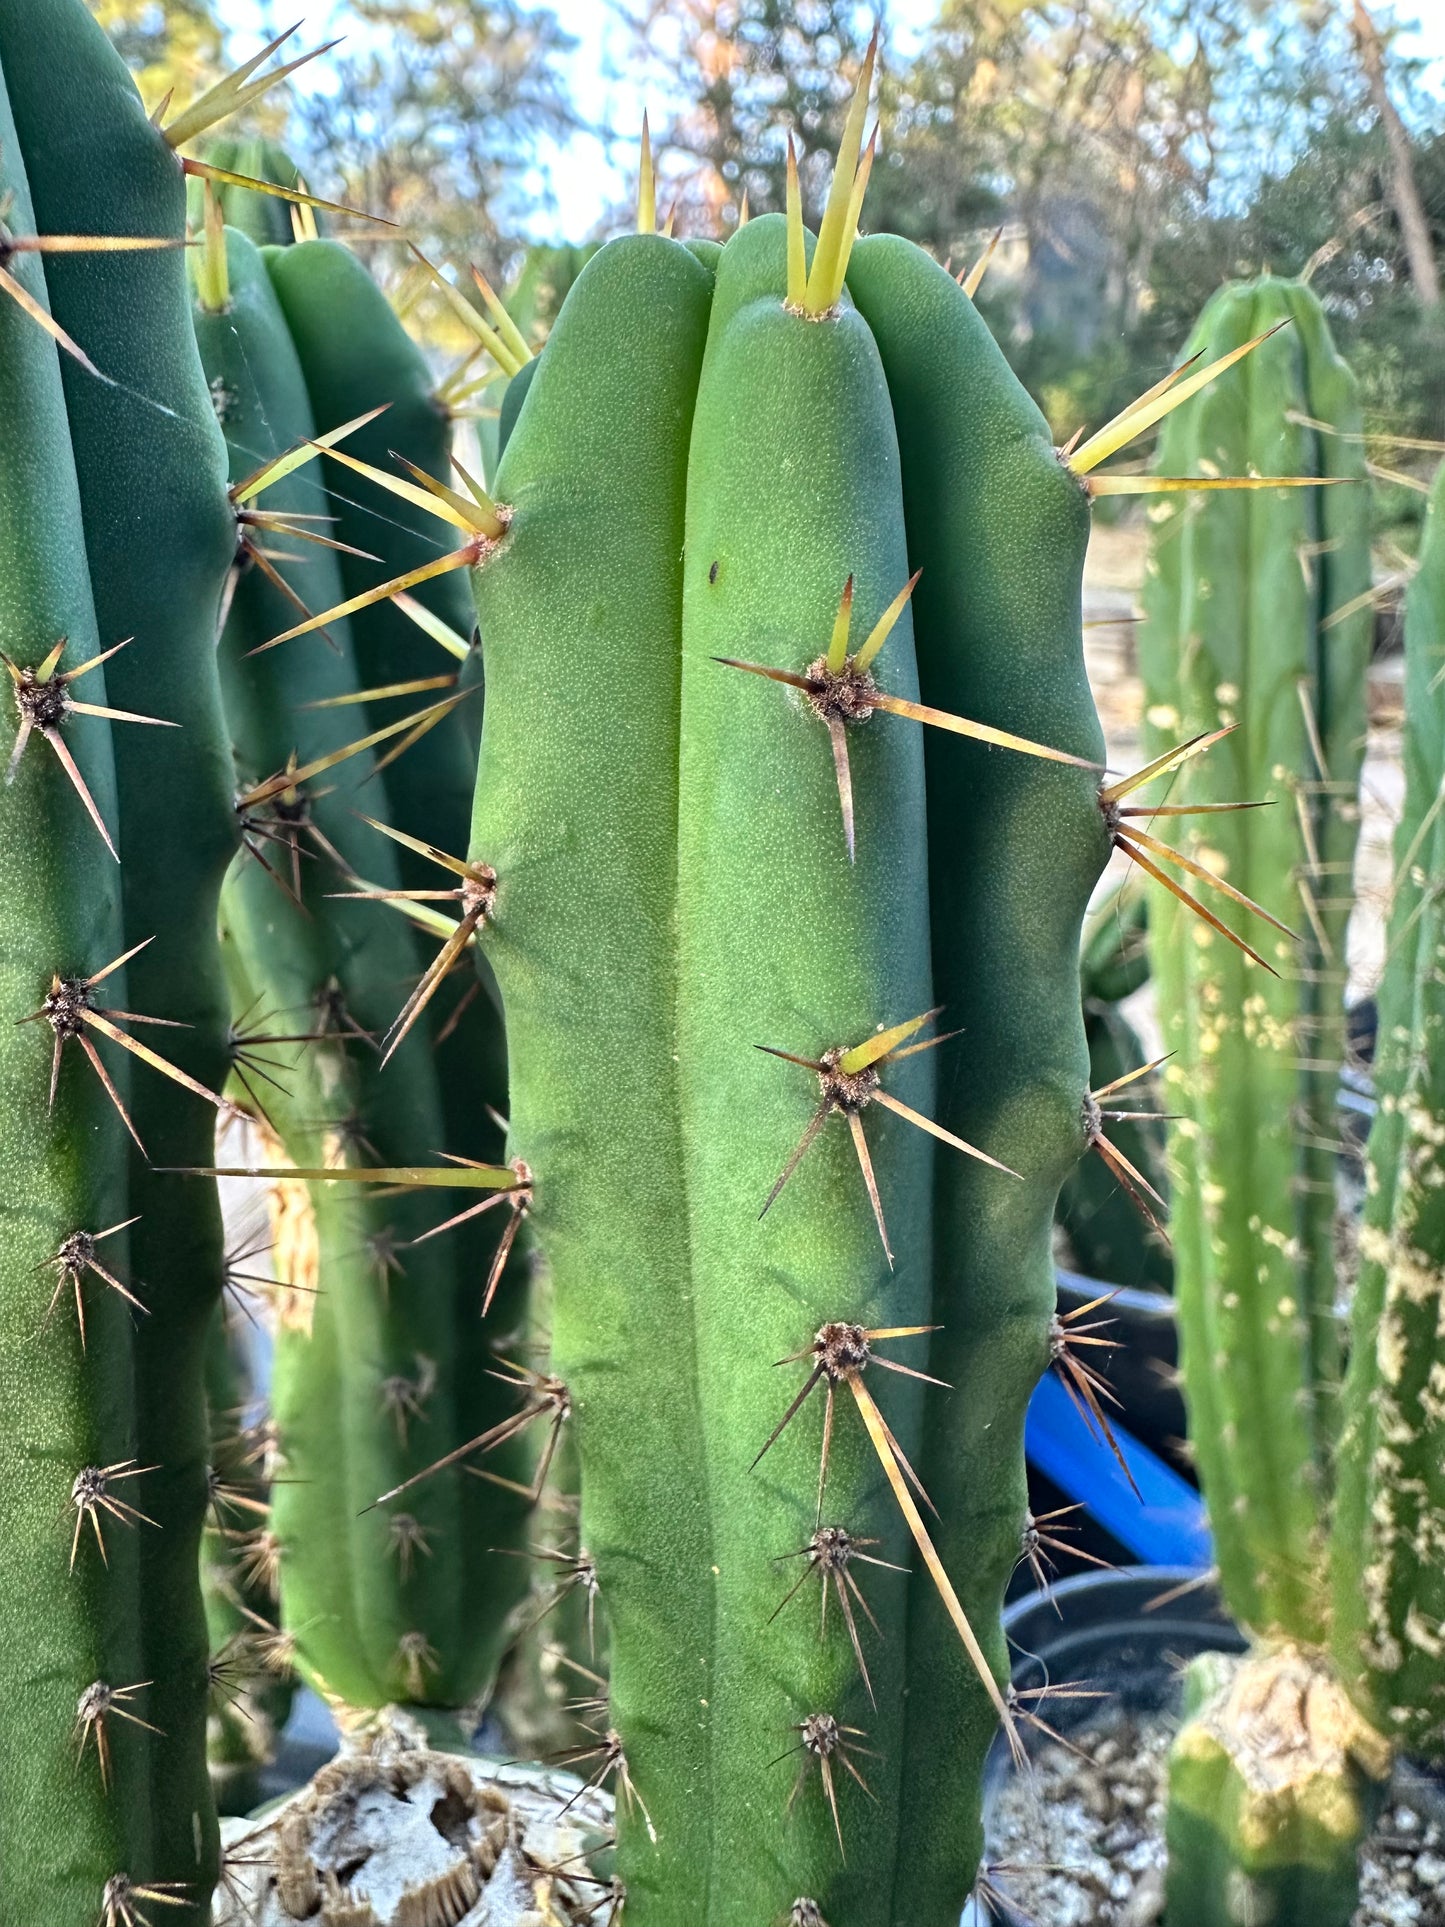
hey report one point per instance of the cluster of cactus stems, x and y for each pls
(720, 938)
(1322, 1493)
(789, 806)
(124, 549)
(379, 1314)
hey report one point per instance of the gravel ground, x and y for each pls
(1082, 1845)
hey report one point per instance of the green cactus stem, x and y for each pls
(675, 887)
(1244, 632)
(1274, 1781)
(723, 916)
(1249, 628)
(125, 475)
(1111, 1219)
(159, 535)
(1389, 1593)
(368, 1388)
(66, 1407)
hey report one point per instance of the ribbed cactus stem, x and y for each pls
(133, 496)
(1249, 626)
(1389, 1580)
(371, 1385)
(1257, 623)
(65, 1408)
(159, 535)
(692, 863)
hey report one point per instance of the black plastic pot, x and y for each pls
(1125, 1634)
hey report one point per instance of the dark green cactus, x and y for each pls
(251, 1685)
(373, 1376)
(1112, 1222)
(116, 526)
(1389, 1578)
(675, 889)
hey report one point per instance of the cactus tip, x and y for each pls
(839, 227)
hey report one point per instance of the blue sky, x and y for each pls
(585, 178)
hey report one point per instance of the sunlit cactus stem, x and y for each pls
(733, 952)
(1258, 624)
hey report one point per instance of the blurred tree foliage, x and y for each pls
(1135, 153)
(430, 112)
(171, 46)
(745, 74)
(432, 115)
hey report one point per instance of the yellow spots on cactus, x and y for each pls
(1424, 1125)
(1284, 1242)
(1432, 1395)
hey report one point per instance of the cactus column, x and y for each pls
(63, 1407)
(369, 1385)
(159, 534)
(674, 890)
(1239, 633)
(1249, 628)
(122, 470)
(1389, 1529)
